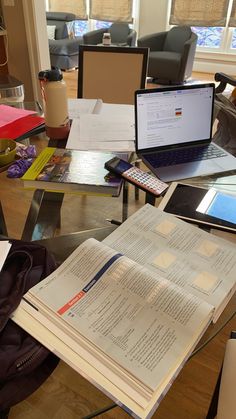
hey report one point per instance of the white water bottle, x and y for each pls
(55, 105)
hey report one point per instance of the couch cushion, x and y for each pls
(64, 46)
(176, 38)
(61, 30)
(164, 64)
(59, 19)
(119, 32)
(68, 17)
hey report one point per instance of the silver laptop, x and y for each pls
(173, 132)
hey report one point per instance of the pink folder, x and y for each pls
(21, 126)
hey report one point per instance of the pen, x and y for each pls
(117, 223)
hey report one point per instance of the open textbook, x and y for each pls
(127, 312)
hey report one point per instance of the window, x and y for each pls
(121, 9)
(80, 27)
(233, 42)
(83, 26)
(217, 38)
(219, 35)
(208, 37)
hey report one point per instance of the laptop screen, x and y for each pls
(173, 116)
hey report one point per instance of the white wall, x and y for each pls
(153, 16)
(37, 40)
(27, 43)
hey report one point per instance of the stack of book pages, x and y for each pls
(127, 312)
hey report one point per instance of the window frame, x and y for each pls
(227, 35)
(92, 22)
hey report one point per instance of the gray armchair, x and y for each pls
(64, 51)
(171, 54)
(121, 34)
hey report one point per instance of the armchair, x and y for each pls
(121, 34)
(171, 54)
(64, 51)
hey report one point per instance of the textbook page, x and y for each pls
(58, 342)
(136, 323)
(201, 263)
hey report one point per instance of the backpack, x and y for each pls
(25, 363)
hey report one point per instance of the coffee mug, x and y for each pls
(7, 151)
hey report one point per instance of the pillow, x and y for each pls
(51, 31)
(70, 29)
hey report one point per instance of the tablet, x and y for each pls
(211, 207)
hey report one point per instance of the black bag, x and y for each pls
(24, 363)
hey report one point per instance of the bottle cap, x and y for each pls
(51, 75)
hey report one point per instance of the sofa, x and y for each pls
(63, 49)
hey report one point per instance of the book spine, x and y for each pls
(39, 164)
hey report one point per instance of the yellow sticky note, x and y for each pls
(206, 281)
(165, 227)
(164, 260)
(207, 248)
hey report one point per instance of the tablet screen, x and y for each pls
(219, 205)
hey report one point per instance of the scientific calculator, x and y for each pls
(136, 176)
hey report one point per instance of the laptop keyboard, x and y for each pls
(170, 158)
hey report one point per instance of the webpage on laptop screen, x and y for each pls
(173, 117)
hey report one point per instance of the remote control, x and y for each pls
(136, 176)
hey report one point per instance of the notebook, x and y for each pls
(173, 132)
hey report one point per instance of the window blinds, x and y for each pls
(199, 12)
(232, 20)
(78, 7)
(111, 10)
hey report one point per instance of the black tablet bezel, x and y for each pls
(174, 202)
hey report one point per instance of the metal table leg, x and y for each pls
(150, 199)
(125, 201)
(43, 216)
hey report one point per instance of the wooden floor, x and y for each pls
(66, 395)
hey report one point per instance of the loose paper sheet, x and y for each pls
(110, 128)
(77, 107)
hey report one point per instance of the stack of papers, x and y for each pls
(101, 126)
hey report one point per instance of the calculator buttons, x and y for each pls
(145, 181)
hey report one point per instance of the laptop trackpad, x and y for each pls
(188, 170)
